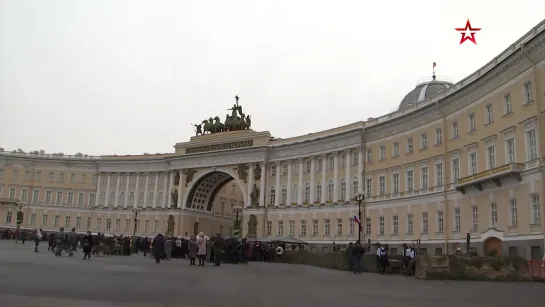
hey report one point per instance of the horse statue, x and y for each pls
(218, 126)
(207, 126)
(248, 122)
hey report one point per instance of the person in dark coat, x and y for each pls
(158, 247)
(218, 243)
(87, 245)
(192, 250)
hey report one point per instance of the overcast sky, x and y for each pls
(128, 77)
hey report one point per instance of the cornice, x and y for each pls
(219, 158)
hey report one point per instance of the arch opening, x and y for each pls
(492, 245)
(206, 189)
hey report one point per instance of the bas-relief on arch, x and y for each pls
(203, 173)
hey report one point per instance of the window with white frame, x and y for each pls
(471, 122)
(454, 130)
(355, 157)
(314, 227)
(272, 195)
(488, 114)
(455, 169)
(474, 218)
(280, 228)
(381, 225)
(308, 166)
(284, 169)
(48, 195)
(409, 145)
(510, 150)
(292, 228)
(395, 183)
(410, 221)
(78, 222)
(56, 221)
(273, 170)
(368, 187)
(535, 209)
(527, 92)
(339, 226)
(395, 225)
(284, 196)
(395, 149)
(531, 145)
(330, 190)
(294, 193)
(382, 184)
(424, 140)
(343, 189)
(355, 184)
(33, 219)
(507, 107)
(12, 194)
(440, 221)
(303, 228)
(424, 177)
(425, 222)
(491, 156)
(438, 136)
(330, 162)
(473, 163)
(70, 198)
(382, 152)
(367, 226)
(457, 220)
(109, 225)
(410, 180)
(127, 223)
(35, 196)
(118, 225)
(493, 214)
(513, 212)
(369, 155)
(269, 228)
(51, 176)
(351, 226)
(439, 174)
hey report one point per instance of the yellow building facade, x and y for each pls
(454, 160)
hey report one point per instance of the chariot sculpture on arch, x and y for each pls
(237, 120)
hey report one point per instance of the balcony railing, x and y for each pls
(494, 175)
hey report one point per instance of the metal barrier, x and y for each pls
(537, 268)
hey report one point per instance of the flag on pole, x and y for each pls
(357, 219)
(434, 64)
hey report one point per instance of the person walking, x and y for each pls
(168, 248)
(357, 254)
(37, 240)
(201, 248)
(87, 245)
(192, 250)
(218, 243)
(158, 247)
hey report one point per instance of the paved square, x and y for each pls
(41, 279)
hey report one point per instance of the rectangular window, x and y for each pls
(454, 134)
(395, 149)
(368, 187)
(351, 226)
(59, 198)
(61, 177)
(81, 198)
(292, 228)
(127, 225)
(118, 225)
(38, 176)
(471, 122)
(327, 227)
(51, 176)
(409, 145)
(507, 107)
(36, 196)
(493, 215)
(44, 220)
(425, 222)
(381, 225)
(474, 218)
(12, 194)
(410, 223)
(369, 155)
(424, 140)
(339, 226)
(513, 212)
(368, 226)
(491, 157)
(382, 152)
(314, 227)
(473, 163)
(410, 179)
(439, 174)
(78, 222)
(72, 178)
(280, 228)
(535, 209)
(355, 157)
(70, 198)
(395, 183)
(48, 197)
(33, 219)
(24, 195)
(395, 224)
(531, 144)
(527, 92)
(440, 221)
(438, 136)
(382, 185)
(424, 174)
(510, 148)
(488, 116)
(303, 228)
(15, 174)
(67, 222)
(56, 221)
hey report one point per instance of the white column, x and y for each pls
(117, 193)
(312, 179)
(181, 190)
(301, 190)
(348, 180)
(171, 189)
(146, 190)
(107, 198)
(166, 194)
(262, 187)
(335, 177)
(288, 198)
(324, 180)
(278, 191)
(127, 183)
(155, 191)
(135, 205)
(97, 197)
(360, 171)
(250, 185)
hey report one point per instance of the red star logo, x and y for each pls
(468, 33)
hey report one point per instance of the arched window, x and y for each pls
(102, 198)
(131, 199)
(160, 200)
(343, 190)
(111, 201)
(330, 188)
(307, 193)
(319, 191)
(284, 195)
(141, 199)
(272, 195)
(355, 185)
(150, 199)
(121, 200)
(295, 193)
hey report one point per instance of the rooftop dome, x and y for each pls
(425, 89)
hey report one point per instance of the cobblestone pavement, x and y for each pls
(41, 279)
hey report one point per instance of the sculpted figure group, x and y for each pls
(236, 121)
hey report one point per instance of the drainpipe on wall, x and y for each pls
(539, 130)
(446, 176)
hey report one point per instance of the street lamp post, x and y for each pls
(360, 197)
(136, 211)
(237, 210)
(19, 221)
